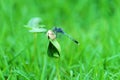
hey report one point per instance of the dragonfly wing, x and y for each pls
(60, 30)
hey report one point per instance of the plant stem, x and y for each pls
(57, 69)
(35, 42)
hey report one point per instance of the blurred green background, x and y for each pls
(94, 23)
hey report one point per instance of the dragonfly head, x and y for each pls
(58, 30)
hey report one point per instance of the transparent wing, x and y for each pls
(60, 30)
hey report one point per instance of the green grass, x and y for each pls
(95, 24)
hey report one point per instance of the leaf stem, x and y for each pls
(57, 69)
(35, 42)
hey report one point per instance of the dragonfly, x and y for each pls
(54, 49)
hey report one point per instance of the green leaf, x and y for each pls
(34, 22)
(35, 26)
(35, 29)
(28, 27)
(38, 30)
(54, 49)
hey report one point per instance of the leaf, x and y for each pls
(35, 26)
(28, 27)
(34, 22)
(54, 49)
(38, 30)
(35, 29)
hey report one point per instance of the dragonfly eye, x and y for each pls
(58, 30)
